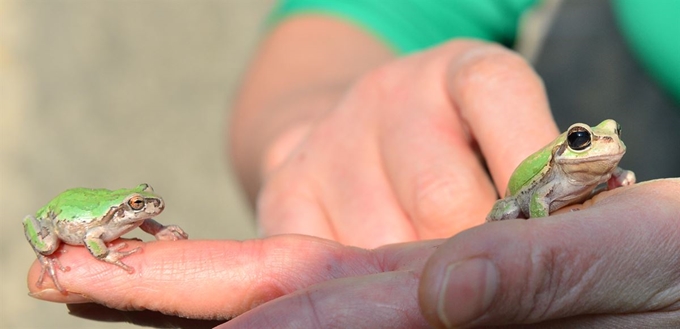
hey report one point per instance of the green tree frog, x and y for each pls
(565, 172)
(93, 217)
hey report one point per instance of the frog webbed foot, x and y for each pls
(163, 233)
(113, 256)
(48, 265)
(171, 233)
(110, 254)
(620, 177)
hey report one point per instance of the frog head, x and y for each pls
(590, 152)
(134, 205)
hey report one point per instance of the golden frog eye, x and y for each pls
(579, 138)
(136, 202)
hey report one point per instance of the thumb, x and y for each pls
(617, 256)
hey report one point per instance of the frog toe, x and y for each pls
(48, 266)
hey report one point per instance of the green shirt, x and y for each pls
(413, 25)
(652, 28)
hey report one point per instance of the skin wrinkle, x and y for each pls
(280, 150)
(274, 284)
(432, 191)
(392, 86)
(381, 259)
(544, 264)
(343, 116)
(412, 318)
(258, 297)
(644, 268)
(586, 280)
(596, 265)
(665, 247)
(673, 308)
(310, 301)
(316, 182)
(478, 71)
(431, 68)
(338, 317)
(392, 188)
(538, 269)
(167, 272)
(450, 75)
(479, 67)
(373, 87)
(408, 316)
(272, 195)
(415, 276)
(404, 260)
(546, 285)
(577, 282)
(653, 279)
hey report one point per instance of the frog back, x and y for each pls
(531, 170)
(82, 204)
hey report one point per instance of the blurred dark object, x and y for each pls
(591, 75)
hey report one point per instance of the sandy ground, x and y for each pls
(112, 94)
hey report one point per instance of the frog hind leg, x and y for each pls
(503, 209)
(44, 244)
(111, 255)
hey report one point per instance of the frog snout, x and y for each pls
(157, 204)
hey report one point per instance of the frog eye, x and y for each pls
(578, 138)
(618, 130)
(136, 202)
(145, 187)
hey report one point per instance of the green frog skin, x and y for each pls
(93, 217)
(565, 172)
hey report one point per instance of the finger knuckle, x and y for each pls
(433, 201)
(492, 66)
(378, 83)
(275, 194)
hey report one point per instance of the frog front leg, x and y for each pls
(44, 243)
(164, 233)
(99, 250)
(539, 204)
(620, 177)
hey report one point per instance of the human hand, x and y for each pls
(401, 156)
(615, 262)
(223, 279)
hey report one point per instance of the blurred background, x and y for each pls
(113, 94)
(116, 93)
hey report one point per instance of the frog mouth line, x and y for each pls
(595, 158)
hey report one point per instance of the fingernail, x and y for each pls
(54, 295)
(467, 291)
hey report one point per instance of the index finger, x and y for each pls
(218, 279)
(198, 278)
(505, 106)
